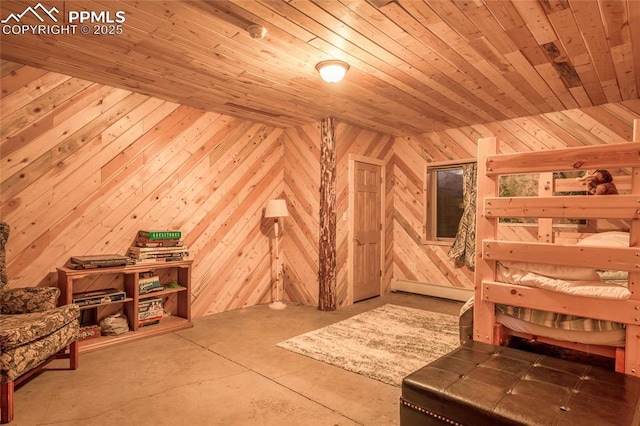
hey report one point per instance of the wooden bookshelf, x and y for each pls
(176, 300)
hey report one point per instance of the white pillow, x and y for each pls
(609, 239)
(560, 272)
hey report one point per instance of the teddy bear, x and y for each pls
(599, 182)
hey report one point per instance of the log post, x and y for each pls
(327, 243)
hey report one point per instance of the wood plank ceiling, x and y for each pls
(416, 66)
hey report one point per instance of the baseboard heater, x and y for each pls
(435, 290)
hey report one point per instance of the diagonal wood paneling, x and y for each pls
(609, 123)
(84, 166)
(302, 180)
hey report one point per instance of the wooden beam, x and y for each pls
(327, 243)
(588, 157)
(573, 207)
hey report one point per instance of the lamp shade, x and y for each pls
(276, 208)
(332, 71)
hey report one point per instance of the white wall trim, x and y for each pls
(435, 290)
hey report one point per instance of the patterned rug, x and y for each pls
(385, 344)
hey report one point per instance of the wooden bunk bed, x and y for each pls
(492, 252)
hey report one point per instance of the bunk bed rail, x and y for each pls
(490, 249)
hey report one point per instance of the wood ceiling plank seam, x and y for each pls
(280, 69)
(616, 26)
(633, 8)
(456, 18)
(573, 41)
(487, 25)
(527, 44)
(615, 20)
(535, 17)
(433, 50)
(438, 37)
(273, 21)
(623, 61)
(563, 97)
(591, 84)
(533, 78)
(339, 35)
(590, 23)
(433, 109)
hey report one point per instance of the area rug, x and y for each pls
(385, 344)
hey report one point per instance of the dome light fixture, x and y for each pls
(332, 71)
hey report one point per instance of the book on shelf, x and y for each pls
(149, 286)
(98, 261)
(141, 250)
(160, 235)
(98, 297)
(151, 321)
(159, 260)
(150, 279)
(150, 309)
(146, 243)
(158, 255)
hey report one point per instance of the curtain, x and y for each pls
(464, 246)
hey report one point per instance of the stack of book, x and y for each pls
(158, 246)
(97, 261)
(150, 312)
(148, 283)
(98, 297)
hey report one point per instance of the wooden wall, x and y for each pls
(84, 166)
(429, 263)
(302, 189)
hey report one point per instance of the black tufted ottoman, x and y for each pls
(480, 384)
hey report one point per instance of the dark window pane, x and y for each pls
(449, 202)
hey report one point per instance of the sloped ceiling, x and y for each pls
(415, 66)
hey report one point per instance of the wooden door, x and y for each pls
(367, 230)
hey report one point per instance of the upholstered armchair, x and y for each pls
(33, 331)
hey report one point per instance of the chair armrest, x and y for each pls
(28, 299)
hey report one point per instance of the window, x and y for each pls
(444, 200)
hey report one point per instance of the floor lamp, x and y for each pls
(277, 209)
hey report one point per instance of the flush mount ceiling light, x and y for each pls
(332, 71)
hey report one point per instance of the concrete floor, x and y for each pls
(226, 370)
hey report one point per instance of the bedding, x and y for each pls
(593, 288)
(548, 324)
(577, 281)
